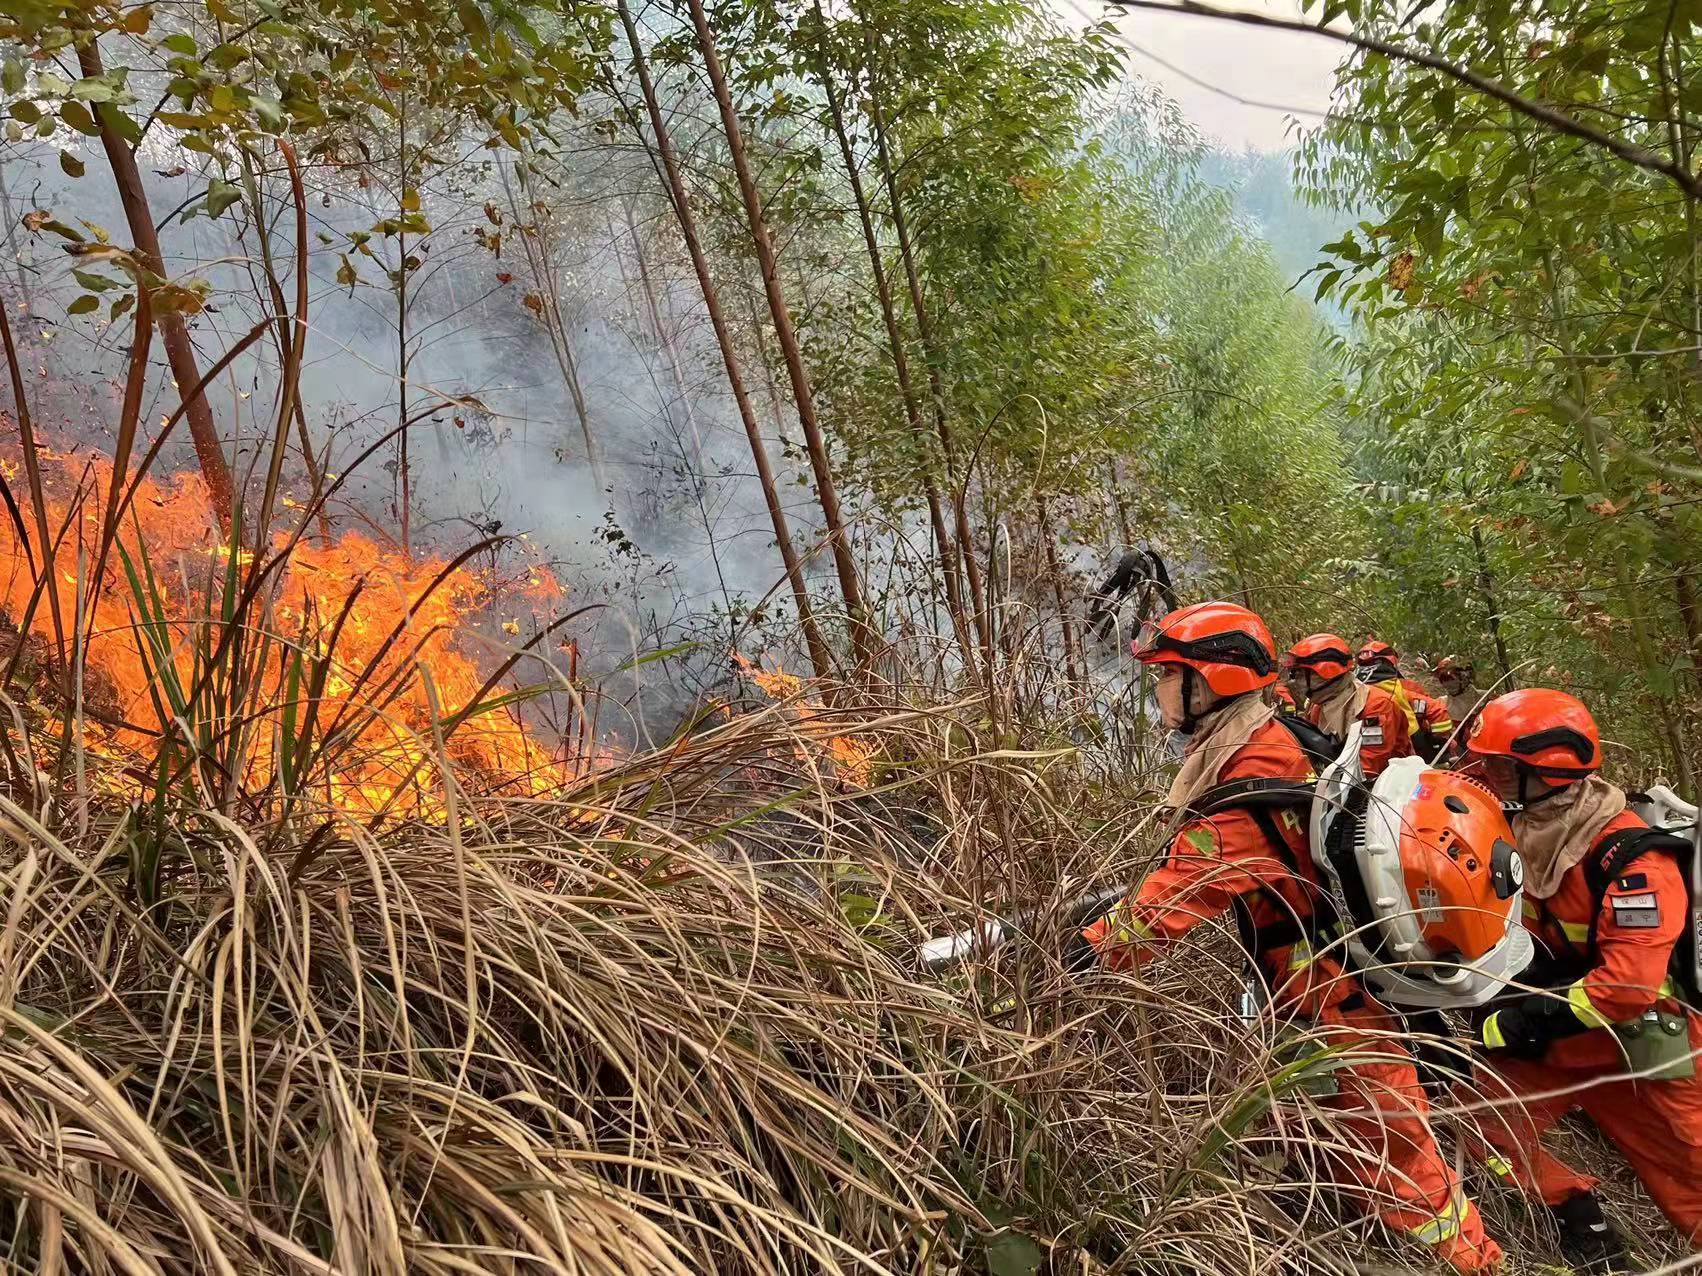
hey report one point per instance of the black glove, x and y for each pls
(1527, 1028)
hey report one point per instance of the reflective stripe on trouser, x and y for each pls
(1656, 1125)
(1388, 1156)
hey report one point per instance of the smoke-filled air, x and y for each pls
(827, 636)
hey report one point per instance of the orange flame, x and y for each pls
(852, 759)
(374, 697)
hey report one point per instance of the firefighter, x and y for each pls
(1427, 717)
(1458, 678)
(1322, 676)
(1607, 902)
(1254, 862)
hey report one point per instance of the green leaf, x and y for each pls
(180, 42)
(270, 113)
(92, 281)
(71, 164)
(83, 305)
(122, 305)
(221, 195)
(77, 116)
(12, 75)
(473, 22)
(1013, 1254)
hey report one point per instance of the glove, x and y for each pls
(1511, 1031)
(1527, 1028)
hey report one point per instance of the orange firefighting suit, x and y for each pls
(1219, 863)
(1429, 723)
(1386, 735)
(1656, 1124)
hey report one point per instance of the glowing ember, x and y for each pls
(373, 706)
(851, 759)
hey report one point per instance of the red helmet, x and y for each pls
(1377, 652)
(1548, 732)
(1324, 654)
(1229, 646)
(1449, 666)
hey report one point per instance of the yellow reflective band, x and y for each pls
(1500, 1166)
(1492, 1034)
(1577, 932)
(1578, 997)
(1129, 927)
(1301, 956)
(1446, 1225)
(1529, 908)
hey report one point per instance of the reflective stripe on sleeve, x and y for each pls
(1578, 997)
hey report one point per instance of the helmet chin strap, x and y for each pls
(1526, 801)
(1190, 719)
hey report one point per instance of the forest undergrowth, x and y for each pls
(669, 1019)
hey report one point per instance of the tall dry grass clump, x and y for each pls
(669, 1019)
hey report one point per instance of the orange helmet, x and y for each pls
(1545, 732)
(1377, 652)
(1227, 645)
(1324, 654)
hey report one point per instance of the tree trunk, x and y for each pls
(862, 636)
(820, 661)
(1690, 612)
(174, 333)
(1072, 662)
(686, 422)
(1118, 505)
(924, 326)
(1486, 588)
(947, 548)
(538, 262)
(286, 343)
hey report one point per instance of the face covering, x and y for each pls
(1222, 731)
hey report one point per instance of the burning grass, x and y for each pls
(665, 1020)
(273, 664)
(315, 960)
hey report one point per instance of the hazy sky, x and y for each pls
(1292, 70)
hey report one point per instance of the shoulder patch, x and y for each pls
(1636, 912)
(1201, 840)
(1373, 733)
(1633, 882)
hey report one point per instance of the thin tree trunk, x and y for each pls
(924, 326)
(1690, 612)
(1118, 504)
(665, 341)
(538, 262)
(850, 587)
(174, 333)
(1486, 588)
(285, 340)
(1072, 661)
(947, 548)
(820, 661)
(405, 495)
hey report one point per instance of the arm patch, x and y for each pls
(1636, 912)
(1634, 882)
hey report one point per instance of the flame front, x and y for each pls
(372, 621)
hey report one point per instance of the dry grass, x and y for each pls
(667, 1022)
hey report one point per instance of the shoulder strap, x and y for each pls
(1251, 796)
(1616, 851)
(1612, 856)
